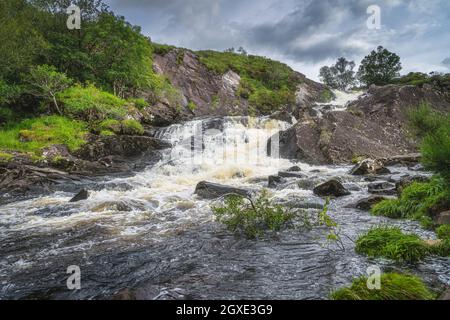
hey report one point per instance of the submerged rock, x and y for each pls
(331, 188)
(112, 205)
(209, 190)
(290, 174)
(82, 195)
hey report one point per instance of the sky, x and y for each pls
(305, 34)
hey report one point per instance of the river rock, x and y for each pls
(382, 188)
(294, 169)
(406, 160)
(369, 166)
(443, 218)
(112, 205)
(331, 188)
(274, 181)
(82, 195)
(209, 190)
(367, 203)
(288, 174)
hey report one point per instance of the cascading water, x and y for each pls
(151, 234)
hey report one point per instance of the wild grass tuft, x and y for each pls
(394, 286)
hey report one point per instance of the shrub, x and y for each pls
(89, 103)
(392, 243)
(132, 127)
(32, 135)
(394, 286)
(252, 218)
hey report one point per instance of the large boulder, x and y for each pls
(331, 188)
(209, 190)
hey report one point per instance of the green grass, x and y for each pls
(192, 106)
(132, 127)
(394, 286)
(32, 135)
(419, 201)
(392, 243)
(90, 104)
(5, 157)
(267, 84)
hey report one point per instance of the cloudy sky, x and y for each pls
(306, 34)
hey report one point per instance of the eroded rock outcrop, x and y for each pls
(373, 126)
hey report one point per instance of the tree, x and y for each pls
(379, 67)
(340, 75)
(45, 82)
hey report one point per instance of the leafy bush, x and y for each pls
(89, 103)
(392, 243)
(394, 286)
(132, 127)
(139, 103)
(252, 218)
(32, 135)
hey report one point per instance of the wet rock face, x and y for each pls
(331, 188)
(82, 195)
(374, 126)
(209, 190)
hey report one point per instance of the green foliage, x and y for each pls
(326, 96)
(32, 135)
(132, 127)
(267, 84)
(192, 106)
(392, 243)
(252, 218)
(394, 286)
(443, 232)
(433, 129)
(420, 200)
(139, 103)
(340, 75)
(89, 103)
(379, 67)
(110, 126)
(162, 49)
(5, 157)
(45, 82)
